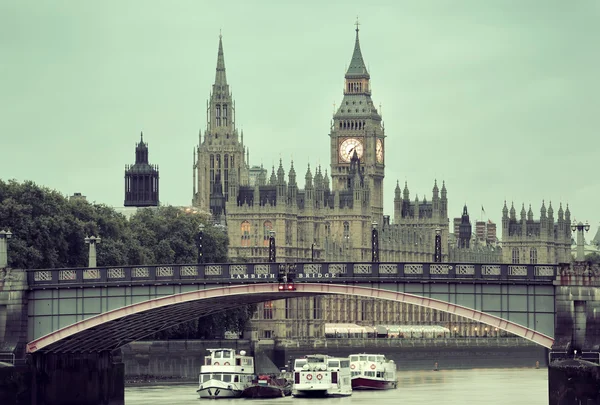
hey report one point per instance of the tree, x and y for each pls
(49, 232)
(593, 257)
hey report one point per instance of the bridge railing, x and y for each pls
(239, 273)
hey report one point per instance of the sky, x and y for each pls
(500, 99)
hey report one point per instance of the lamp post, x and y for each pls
(374, 244)
(272, 248)
(437, 256)
(92, 241)
(199, 242)
(4, 237)
(580, 227)
(312, 252)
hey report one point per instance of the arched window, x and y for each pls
(515, 256)
(346, 231)
(245, 231)
(533, 256)
(267, 227)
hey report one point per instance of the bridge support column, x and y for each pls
(574, 366)
(13, 314)
(77, 379)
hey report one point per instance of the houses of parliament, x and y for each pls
(331, 218)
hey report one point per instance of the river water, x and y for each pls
(448, 387)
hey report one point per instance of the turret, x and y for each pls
(417, 214)
(504, 220)
(444, 201)
(281, 186)
(530, 214)
(273, 179)
(308, 187)
(550, 221)
(523, 221)
(513, 212)
(568, 223)
(436, 199)
(406, 193)
(397, 203)
(292, 185)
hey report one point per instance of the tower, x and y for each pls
(220, 156)
(465, 231)
(357, 129)
(141, 179)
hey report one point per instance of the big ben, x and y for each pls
(357, 129)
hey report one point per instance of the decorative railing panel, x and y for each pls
(269, 272)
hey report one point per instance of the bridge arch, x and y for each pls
(113, 329)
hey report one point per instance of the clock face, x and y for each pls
(379, 151)
(347, 148)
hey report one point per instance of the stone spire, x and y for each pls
(220, 77)
(397, 192)
(513, 213)
(273, 179)
(530, 214)
(280, 173)
(357, 68)
(406, 193)
(505, 210)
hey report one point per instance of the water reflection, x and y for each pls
(453, 387)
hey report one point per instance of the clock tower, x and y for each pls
(357, 127)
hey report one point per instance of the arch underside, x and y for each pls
(116, 328)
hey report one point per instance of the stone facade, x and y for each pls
(536, 241)
(330, 219)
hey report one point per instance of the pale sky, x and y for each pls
(499, 98)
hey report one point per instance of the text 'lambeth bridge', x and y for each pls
(95, 309)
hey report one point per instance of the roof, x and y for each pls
(357, 66)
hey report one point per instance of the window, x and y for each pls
(245, 230)
(346, 231)
(267, 227)
(218, 115)
(268, 311)
(515, 256)
(533, 256)
(267, 334)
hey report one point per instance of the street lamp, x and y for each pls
(4, 237)
(92, 241)
(312, 252)
(580, 227)
(272, 246)
(374, 244)
(437, 256)
(199, 242)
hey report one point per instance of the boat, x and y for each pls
(225, 374)
(372, 372)
(320, 375)
(268, 386)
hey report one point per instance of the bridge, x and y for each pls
(84, 314)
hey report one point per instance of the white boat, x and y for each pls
(225, 374)
(372, 372)
(320, 375)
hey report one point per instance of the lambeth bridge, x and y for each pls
(84, 314)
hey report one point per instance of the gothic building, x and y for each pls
(220, 157)
(526, 240)
(468, 247)
(141, 179)
(329, 219)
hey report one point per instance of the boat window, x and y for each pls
(354, 358)
(226, 377)
(333, 364)
(226, 355)
(299, 363)
(207, 360)
(218, 355)
(370, 373)
(217, 377)
(355, 373)
(236, 378)
(363, 358)
(315, 359)
(372, 358)
(205, 377)
(380, 374)
(344, 363)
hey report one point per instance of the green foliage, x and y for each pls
(49, 232)
(593, 257)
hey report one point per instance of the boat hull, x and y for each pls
(362, 383)
(263, 391)
(319, 394)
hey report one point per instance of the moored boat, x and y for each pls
(225, 374)
(372, 372)
(320, 375)
(268, 386)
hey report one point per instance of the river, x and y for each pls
(448, 387)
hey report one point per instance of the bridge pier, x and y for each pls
(574, 364)
(77, 379)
